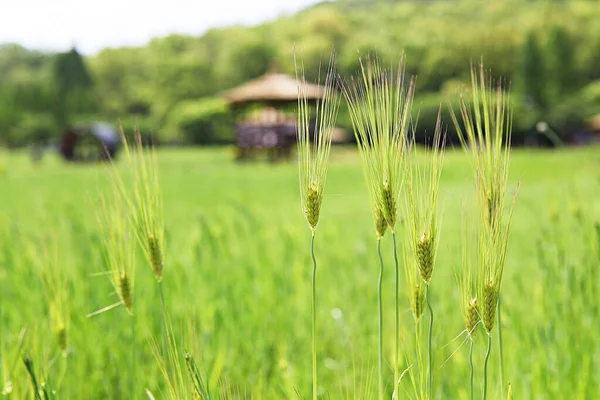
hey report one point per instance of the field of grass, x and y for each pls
(237, 281)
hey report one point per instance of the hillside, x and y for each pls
(538, 46)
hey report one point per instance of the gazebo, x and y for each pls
(271, 128)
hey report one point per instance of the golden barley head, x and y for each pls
(425, 256)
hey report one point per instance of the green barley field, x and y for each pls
(237, 282)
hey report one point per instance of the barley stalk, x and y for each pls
(471, 369)
(486, 137)
(468, 297)
(500, 349)
(144, 202)
(380, 104)
(34, 382)
(485, 366)
(313, 160)
(422, 229)
(380, 322)
(429, 349)
(314, 318)
(171, 365)
(396, 316)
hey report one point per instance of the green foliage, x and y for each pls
(35, 127)
(562, 50)
(203, 121)
(533, 75)
(548, 52)
(73, 82)
(238, 272)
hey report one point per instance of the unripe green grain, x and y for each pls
(417, 300)
(471, 317)
(61, 338)
(125, 292)
(313, 206)
(488, 308)
(388, 204)
(380, 223)
(425, 256)
(156, 257)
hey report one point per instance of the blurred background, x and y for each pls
(169, 68)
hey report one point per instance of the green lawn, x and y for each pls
(237, 280)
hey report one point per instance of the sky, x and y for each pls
(57, 25)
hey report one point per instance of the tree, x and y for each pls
(564, 72)
(73, 83)
(533, 75)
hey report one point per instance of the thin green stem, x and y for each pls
(472, 373)
(63, 372)
(314, 318)
(380, 321)
(418, 360)
(397, 318)
(500, 348)
(164, 318)
(133, 361)
(485, 363)
(429, 353)
(36, 389)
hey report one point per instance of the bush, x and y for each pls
(147, 127)
(426, 108)
(204, 121)
(33, 127)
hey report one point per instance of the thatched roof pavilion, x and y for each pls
(272, 130)
(272, 87)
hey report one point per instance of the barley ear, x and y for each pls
(156, 256)
(425, 256)
(125, 292)
(488, 308)
(472, 317)
(418, 299)
(313, 206)
(380, 223)
(388, 204)
(314, 142)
